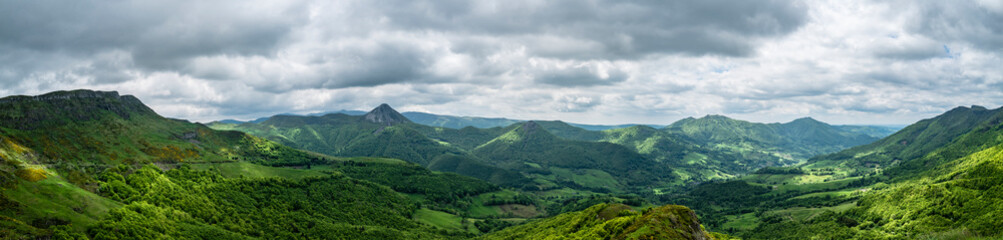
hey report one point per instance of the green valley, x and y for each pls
(97, 165)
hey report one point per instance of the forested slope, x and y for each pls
(87, 164)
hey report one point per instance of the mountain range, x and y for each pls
(98, 165)
(456, 122)
(687, 145)
(934, 179)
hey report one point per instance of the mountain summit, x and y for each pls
(385, 115)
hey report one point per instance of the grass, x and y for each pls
(479, 210)
(803, 213)
(831, 185)
(374, 160)
(741, 223)
(520, 210)
(563, 192)
(237, 169)
(439, 219)
(695, 158)
(833, 194)
(54, 197)
(588, 177)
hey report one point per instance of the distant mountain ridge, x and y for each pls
(712, 147)
(915, 141)
(530, 148)
(803, 137)
(382, 132)
(447, 121)
(938, 178)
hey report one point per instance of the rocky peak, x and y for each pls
(385, 115)
(530, 126)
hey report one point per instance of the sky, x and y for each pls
(582, 61)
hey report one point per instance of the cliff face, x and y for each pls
(62, 107)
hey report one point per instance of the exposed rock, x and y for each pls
(385, 115)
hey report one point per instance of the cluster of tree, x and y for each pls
(578, 203)
(440, 188)
(780, 170)
(491, 225)
(612, 221)
(186, 203)
(517, 199)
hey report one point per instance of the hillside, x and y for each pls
(456, 122)
(99, 165)
(934, 179)
(592, 165)
(901, 150)
(796, 140)
(69, 130)
(613, 221)
(688, 159)
(382, 132)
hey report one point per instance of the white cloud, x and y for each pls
(581, 61)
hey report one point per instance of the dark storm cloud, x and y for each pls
(620, 29)
(157, 34)
(206, 60)
(386, 63)
(971, 21)
(151, 36)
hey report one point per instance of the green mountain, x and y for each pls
(382, 132)
(613, 221)
(876, 131)
(691, 161)
(905, 150)
(599, 166)
(796, 140)
(570, 132)
(87, 164)
(456, 122)
(67, 130)
(935, 179)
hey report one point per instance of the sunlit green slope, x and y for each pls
(910, 149)
(798, 139)
(597, 166)
(87, 164)
(936, 179)
(613, 221)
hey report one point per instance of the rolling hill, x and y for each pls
(799, 139)
(693, 150)
(598, 166)
(382, 132)
(935, 179)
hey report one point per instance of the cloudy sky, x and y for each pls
(585, 61)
